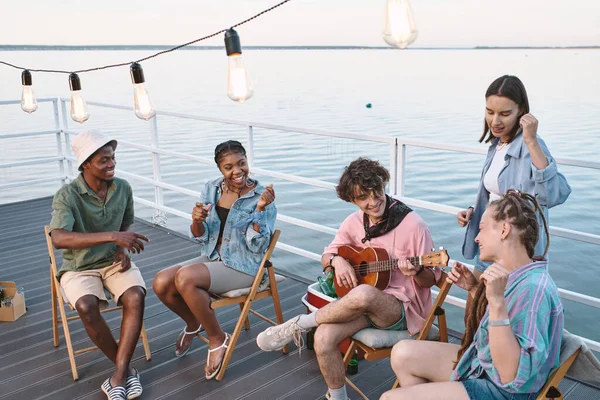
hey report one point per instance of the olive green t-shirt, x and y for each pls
(76, 208)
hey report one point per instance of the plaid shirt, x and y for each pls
(536, 319)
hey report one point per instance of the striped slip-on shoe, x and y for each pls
(133, 385)
(113, 392)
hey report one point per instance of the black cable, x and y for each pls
(153, 55)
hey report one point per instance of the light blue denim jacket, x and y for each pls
(549, 187)
(242, 248)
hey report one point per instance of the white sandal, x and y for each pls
(183, 335)
(224, 345)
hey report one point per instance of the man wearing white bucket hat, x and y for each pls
(90, 221)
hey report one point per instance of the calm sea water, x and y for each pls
(430, 95)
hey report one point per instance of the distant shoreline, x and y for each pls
(11, 47)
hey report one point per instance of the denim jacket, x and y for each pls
(548, 186)
(242, 248)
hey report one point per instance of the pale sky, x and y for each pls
(299, 22)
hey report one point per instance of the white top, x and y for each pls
(490, 180)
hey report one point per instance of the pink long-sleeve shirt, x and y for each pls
(409, 239)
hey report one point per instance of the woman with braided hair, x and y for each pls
(514, 321)
(233, 224)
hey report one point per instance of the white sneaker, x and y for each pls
(276, 337)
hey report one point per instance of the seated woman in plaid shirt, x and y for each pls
(514, 325)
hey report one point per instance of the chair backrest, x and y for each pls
(53, 267)
(274, 238)
(265, 263)
(436, 309)
(441, 283)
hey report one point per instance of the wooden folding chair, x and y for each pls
(550, 389)
(245, 302)
(58, 301)
(372, 353)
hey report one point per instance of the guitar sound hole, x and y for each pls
(363, 269)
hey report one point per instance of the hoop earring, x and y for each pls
(249, 182)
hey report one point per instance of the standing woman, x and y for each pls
(233, 226)
(517, 159)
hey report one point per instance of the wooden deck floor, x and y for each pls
(31, 368)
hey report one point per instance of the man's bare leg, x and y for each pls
(383, 309)
(88, 308)
(327, 339)
(336, 322)
(133, 301)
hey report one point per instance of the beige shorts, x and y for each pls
(76, 284)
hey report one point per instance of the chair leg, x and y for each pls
(247, 321)
(443, 326)
(347, 357)
(54, 305)
(234, 338)
(276, 302)
(144, 336)
(65, 324)
(349, 353)
(356, 389)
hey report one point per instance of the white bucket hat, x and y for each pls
(86, 143)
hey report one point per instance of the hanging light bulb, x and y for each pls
(79, 108)
(141, 101)
(238, 84)
(400, 29)
(28, 102)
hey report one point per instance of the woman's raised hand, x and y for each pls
(200, 212)
(529, 124)
(462, 277)
(464, 216)
(266, 198)
(495, 278)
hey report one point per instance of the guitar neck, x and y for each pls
(386, 265)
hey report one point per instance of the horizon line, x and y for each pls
(278, 47)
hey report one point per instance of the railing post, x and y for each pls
(401, 166)
(250, 150)
(393, 167)
(159, 217)
(65, 128)
(59, 147)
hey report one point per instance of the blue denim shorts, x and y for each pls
(484, 389)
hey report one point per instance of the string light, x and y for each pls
(238, 84)
(79, 108)
(141, 100)
(400, 29)
(28, 101)
(239, 88)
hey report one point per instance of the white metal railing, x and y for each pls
(59, 158)
(397, 151)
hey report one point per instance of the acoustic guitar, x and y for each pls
(374, 267)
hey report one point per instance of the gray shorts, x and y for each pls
(222, 277)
